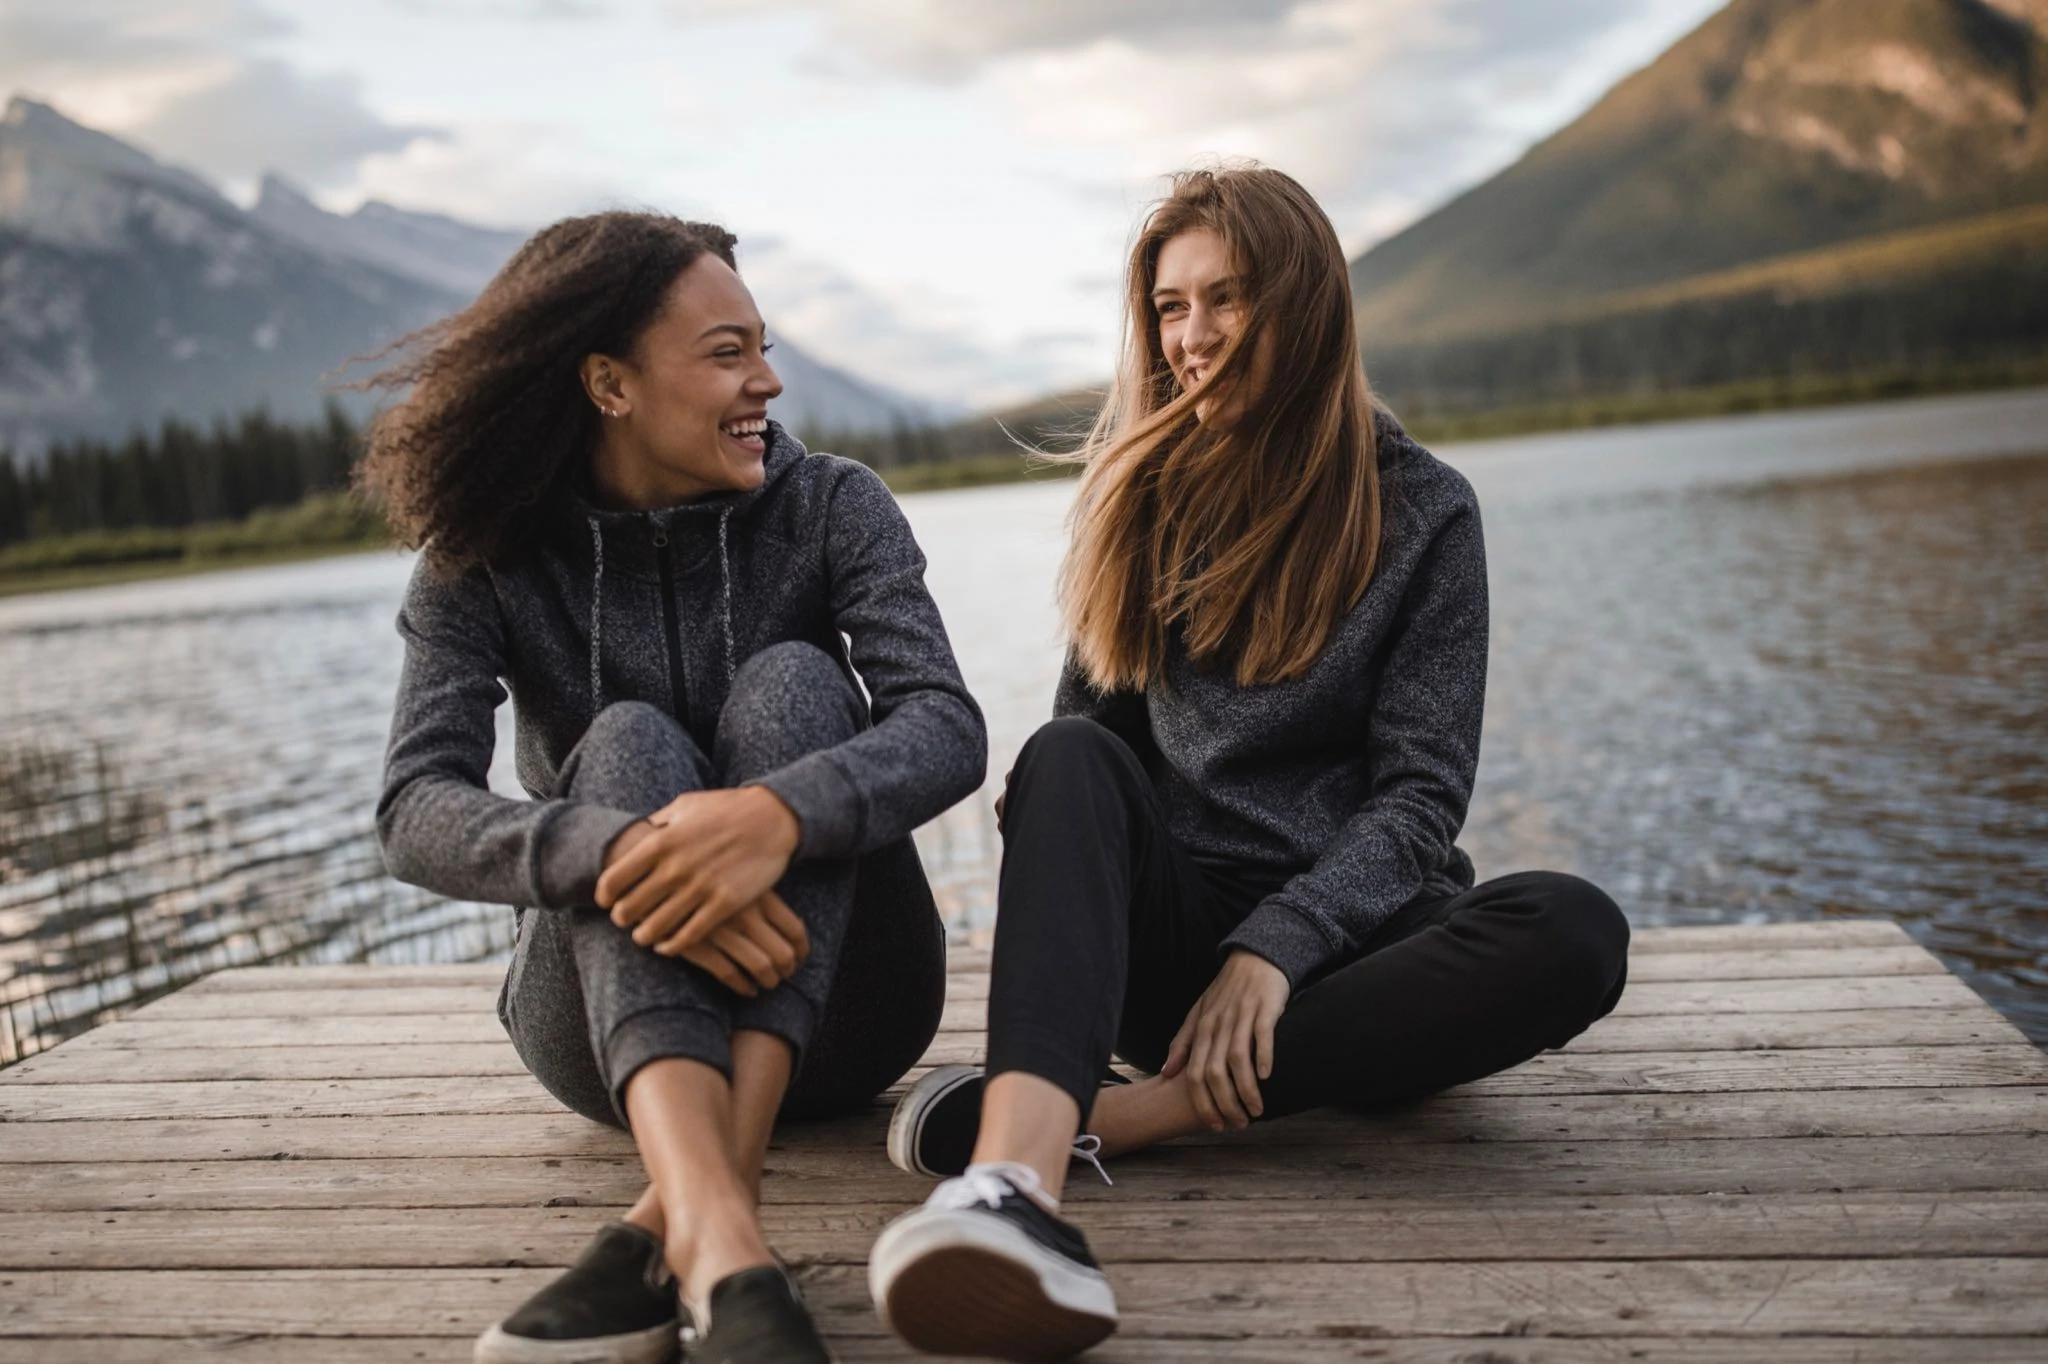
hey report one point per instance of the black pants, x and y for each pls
(1107, 933)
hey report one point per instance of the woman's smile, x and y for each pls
(749, 433)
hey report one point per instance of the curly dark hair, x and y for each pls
(496, 422)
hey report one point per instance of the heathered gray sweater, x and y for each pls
(662, 606)
(1354, 777)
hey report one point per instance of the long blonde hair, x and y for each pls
(1255, 534)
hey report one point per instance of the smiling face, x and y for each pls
(1197, 297)
(687, 411)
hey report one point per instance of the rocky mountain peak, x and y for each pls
(1940, 94)
(1777, 126)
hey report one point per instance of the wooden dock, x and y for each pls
(1797, 1143)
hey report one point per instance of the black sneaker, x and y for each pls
(933, 1129)
(615, 1305)
(983, 1269)
(757, 1317)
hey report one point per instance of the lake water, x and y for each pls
(1745, 669)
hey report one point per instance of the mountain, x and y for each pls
(437, 251)
(1629, 249)
(132, 291)
(817, 399)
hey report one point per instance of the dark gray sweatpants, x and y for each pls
(586, 1006)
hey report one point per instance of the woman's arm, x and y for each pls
(1423, 752)
(438, 822)
(928, 748)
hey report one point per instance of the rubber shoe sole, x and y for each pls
(966, 1283)
(906, 1124)
(655, 1345)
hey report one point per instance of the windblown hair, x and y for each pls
(496, 423)
(1254, 533)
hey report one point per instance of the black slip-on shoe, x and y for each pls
(756, 1317)
(983, 1269)
(933, 1129)
(615, 1305)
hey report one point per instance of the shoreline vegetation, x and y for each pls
(96, 515)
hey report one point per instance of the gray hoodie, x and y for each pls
(663, 606)
(1352, 780)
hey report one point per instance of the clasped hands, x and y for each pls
(696, 879)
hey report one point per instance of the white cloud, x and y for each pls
(494, 174)
(1382, 107)
(188, 80)
(921, 342)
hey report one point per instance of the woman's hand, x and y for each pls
(1226, 1045)
(755, 950)
(703, 858)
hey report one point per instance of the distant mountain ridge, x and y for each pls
(132, 291)
(1776, 130)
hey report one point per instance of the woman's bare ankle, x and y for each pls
(1143, 1113)
(719, 1242)
(646, 1214)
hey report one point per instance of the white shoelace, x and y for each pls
(1088, 1147)
(986, 1185)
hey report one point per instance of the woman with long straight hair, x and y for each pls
(722, 915)
(1232, 859)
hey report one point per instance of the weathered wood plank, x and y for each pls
(1769, 937)
(243, 1092)
(244, 993)
(84, 1068)
(339, 1006)
(1641, 1032)
(1802, 995)
(1744, 1298)
(89, 1066)
(1707, 1072)
(1459, 1117)
(1191, 1172)
(1778, 994)
(1805, 1226)
(1804, 963)
(1121, 1349)
(971, 961)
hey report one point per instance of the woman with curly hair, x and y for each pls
(1233, 859)
(721, 913)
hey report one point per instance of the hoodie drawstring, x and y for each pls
(596, 617)
(725, 593)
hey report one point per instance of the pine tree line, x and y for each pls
(180, 476)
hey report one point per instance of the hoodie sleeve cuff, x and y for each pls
(825, 803)
(571, 852)
(1283, 937)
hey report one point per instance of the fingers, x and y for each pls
(1262, 1038)
(723, 969)
(1244, 1080)
(734, 942)
(625, 872)
(781, 955)
(708, 912)
(1216, 1074)
(784, 921)
(669, 917)
(1177, 1052)
(1198, 1087)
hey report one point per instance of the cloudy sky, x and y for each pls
(936, 194)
